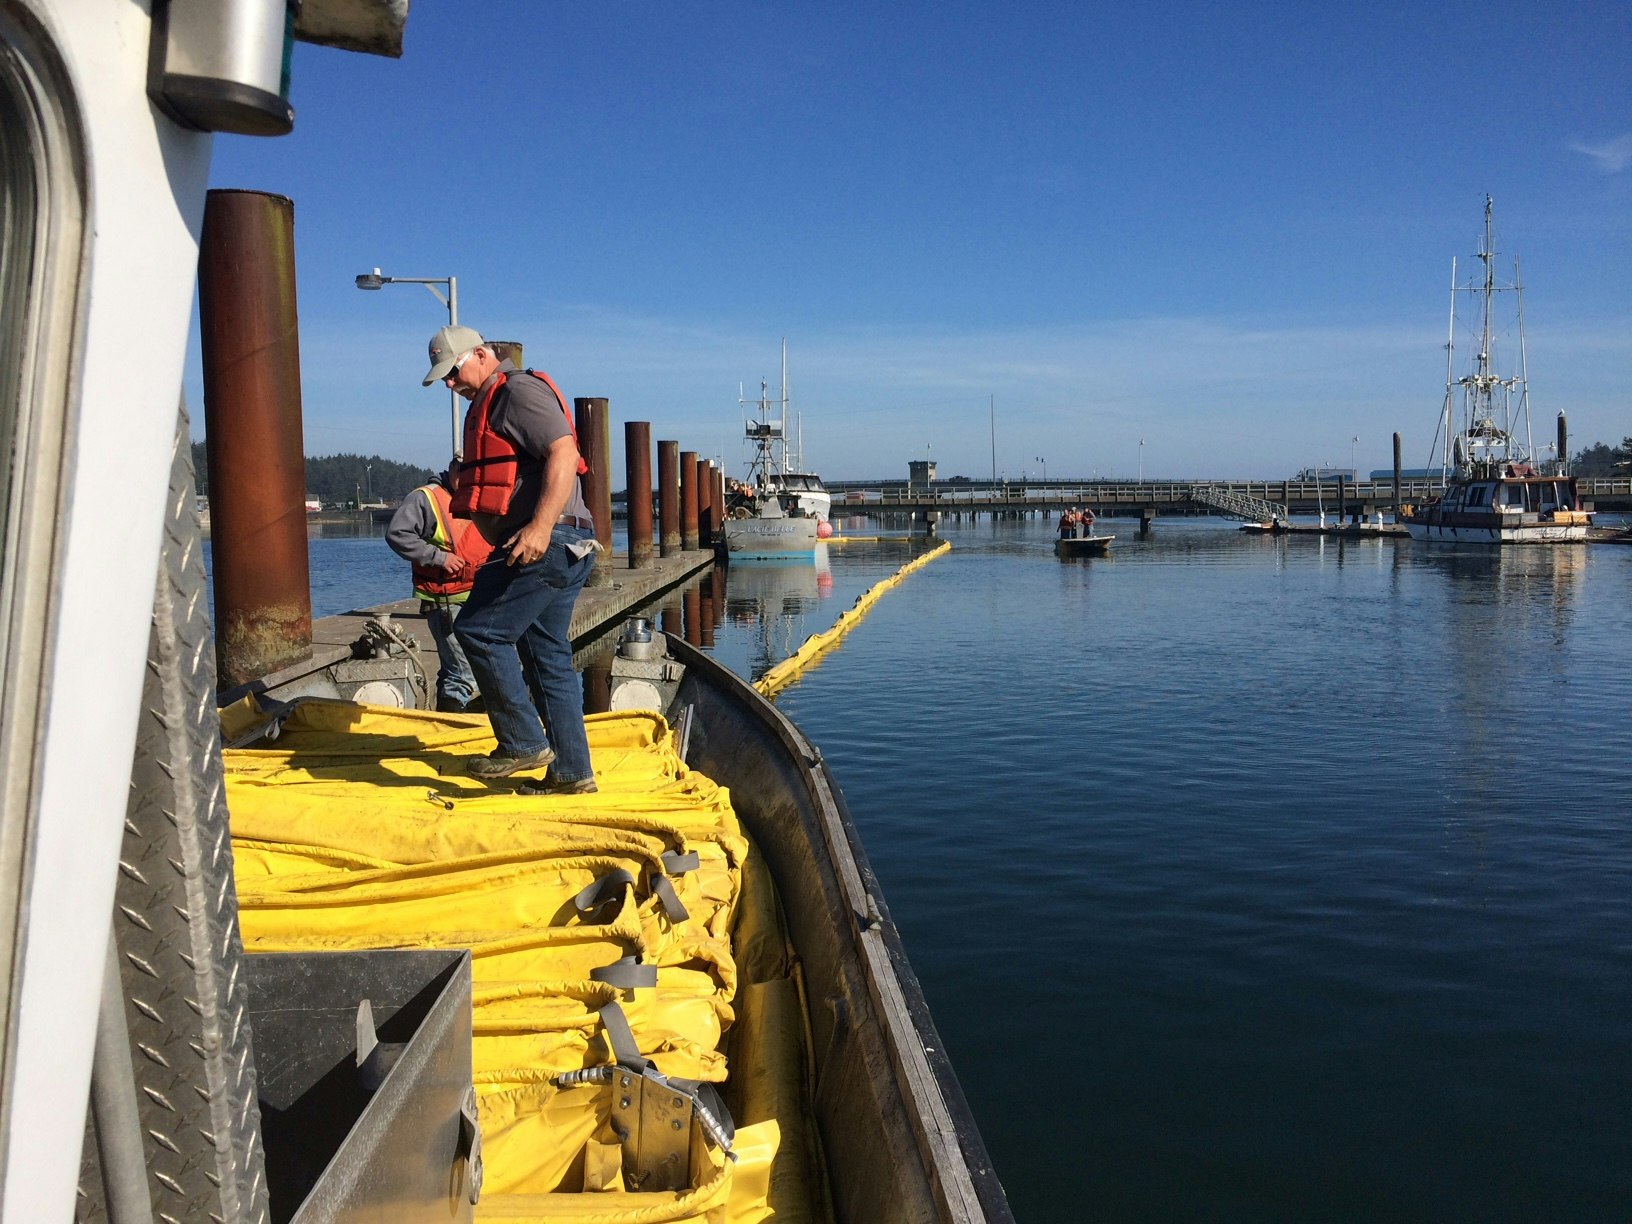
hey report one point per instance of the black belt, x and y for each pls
(572, 520)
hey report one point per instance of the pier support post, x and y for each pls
(637, 462)
(668, 497)
(688, 502)
(594, 421)
(706, 615)
(716, 508)
(1147, 516)
(598, 685)
(250, 340)
(691, 614)
(1396, 478)
(705, 503)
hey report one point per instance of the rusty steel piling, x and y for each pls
(637, 462)
(249, 334)
(593, 419)
(705, 503)
(668, 497)
(688, 501)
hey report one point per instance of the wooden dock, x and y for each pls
(598, 608)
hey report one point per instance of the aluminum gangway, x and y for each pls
(1238, 505)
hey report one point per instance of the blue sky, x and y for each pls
(1224, 229)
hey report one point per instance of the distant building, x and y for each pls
(313, 503)
(920, 471)
(1323, 475)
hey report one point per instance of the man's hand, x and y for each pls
(454, 566)
(528, 544)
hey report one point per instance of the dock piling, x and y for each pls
(594, 422)
(637, 461)
(705, 503)
(668, 497)
(1396, 478)
(251, 349)
(688, 502)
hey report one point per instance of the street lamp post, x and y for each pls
(368, 475)
(1354, 473)
(1141, 461)
(373, 280)
(1044, 462)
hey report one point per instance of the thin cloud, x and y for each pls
(1213, 396)
(1612, 156)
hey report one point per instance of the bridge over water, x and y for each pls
(1148, 499)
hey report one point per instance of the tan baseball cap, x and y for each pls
(446, 346)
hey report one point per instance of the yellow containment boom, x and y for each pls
(818, 644)
(637, 921)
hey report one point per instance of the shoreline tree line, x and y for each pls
(341, 480)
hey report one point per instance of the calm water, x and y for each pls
(1248, 879)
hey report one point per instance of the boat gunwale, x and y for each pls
(949, 1142)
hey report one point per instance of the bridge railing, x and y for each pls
(1305, 493)
(1118, 493)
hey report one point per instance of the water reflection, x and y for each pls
(776, 602)
(772, 605)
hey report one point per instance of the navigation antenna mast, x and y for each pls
(1486, 438)
(798, 464)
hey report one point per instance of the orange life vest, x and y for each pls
(458, 536)
(486, 478)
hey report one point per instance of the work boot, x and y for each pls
(555, 786)
(498, 765)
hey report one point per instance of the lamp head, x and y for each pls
(371, 280)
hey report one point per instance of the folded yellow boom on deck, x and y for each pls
(360, 829)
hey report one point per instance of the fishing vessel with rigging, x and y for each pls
(1493, 490)
(789, 478)
(770, 517)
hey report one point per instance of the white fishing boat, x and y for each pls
(785, 474)
(767, 515)
(1493, 490)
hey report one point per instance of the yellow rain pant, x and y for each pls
(359, 828)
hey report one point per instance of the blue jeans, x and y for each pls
(454, 679)
(514, 629)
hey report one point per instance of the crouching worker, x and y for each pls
(519, 484)
(445, 553)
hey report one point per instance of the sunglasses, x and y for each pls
(454, 368)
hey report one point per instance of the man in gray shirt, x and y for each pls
(519, 483)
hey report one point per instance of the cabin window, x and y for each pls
(41, 221)
(1477, 495)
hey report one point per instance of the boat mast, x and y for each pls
(798, 464)
(1450, 387)
(1524, 370)
(1483, 443)
(1485, 387)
